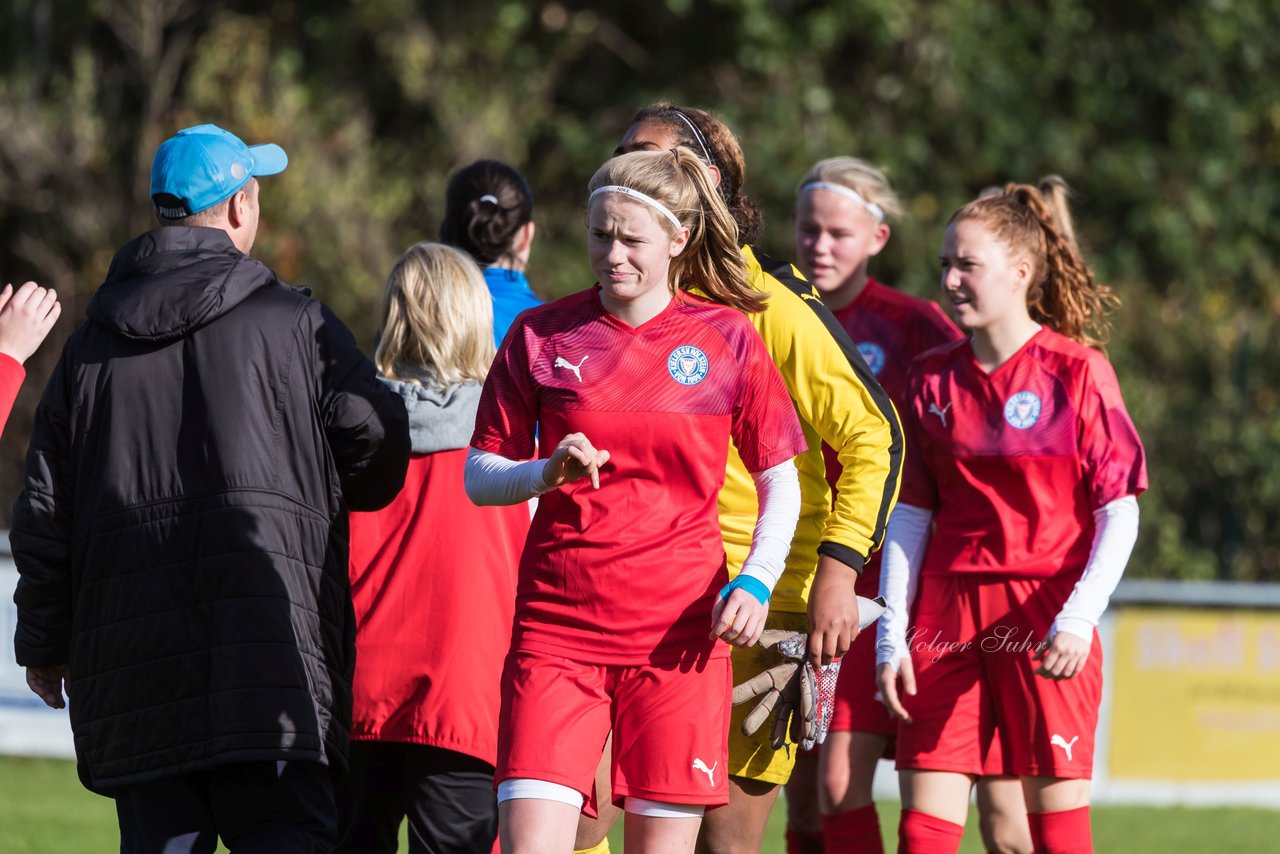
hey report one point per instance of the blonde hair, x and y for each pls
(436, 315)
(711, 260)
(1036, 221)
(861, 177)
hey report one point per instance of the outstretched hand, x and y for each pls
(573, 459)
(26, 316)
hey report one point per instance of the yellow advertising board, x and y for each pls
(1195, 695)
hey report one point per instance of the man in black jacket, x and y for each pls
(182, 538)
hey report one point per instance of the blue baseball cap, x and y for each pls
(204, 165)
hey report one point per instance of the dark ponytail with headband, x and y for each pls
(712, 141)
(485, 205)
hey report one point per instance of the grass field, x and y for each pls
(43, 810)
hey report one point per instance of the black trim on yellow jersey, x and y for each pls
(844, 554)
(791, 278)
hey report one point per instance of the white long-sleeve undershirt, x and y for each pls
(778, 490)
(905, 539)
(1115, 530)
(494, 479)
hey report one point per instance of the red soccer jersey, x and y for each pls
(1013, 463)
(433, 580)
(890, 329)
(628, 573)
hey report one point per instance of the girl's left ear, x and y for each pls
(881, 239)
(1024, 268)
(679, 241)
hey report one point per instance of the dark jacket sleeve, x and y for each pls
(41, 534)
(365, 422)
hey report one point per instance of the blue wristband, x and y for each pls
(754, 586)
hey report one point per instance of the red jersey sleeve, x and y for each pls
(919, 488)
(765, 428)
(507, 419)
(11, 375)
(1111, 453)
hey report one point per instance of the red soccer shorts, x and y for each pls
(979, 706)
(670, 727)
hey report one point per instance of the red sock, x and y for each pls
(854, 832)
(1065, 832)
(804, 841)
(921, 833)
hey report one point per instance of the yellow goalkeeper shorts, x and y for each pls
(751, 756)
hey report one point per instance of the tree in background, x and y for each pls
(1158, 114)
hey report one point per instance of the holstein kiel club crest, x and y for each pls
(1022, 410)
(873, 354)
(688, 365)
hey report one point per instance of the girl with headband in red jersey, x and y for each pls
(633, 390)
(843, 209)
(840, 404)
(1028, 469)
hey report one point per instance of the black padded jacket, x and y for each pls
(182, 537)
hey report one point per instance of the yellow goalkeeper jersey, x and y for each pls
(839, 402)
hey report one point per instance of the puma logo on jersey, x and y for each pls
(941, 413)
(1058, 741)
(811, 296)
(562, 362)
(699, 765)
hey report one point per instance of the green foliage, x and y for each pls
(1158, 114)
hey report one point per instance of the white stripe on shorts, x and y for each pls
(523, 787)
(657, 809)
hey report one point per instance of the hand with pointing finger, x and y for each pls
(573, 459)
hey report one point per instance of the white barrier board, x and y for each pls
(27, 726)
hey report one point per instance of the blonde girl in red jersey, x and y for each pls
(1029, 468)
(633, 389)
(843, 209)
(838, 403)
(433, 582)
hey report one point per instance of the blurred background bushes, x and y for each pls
(1159, 114)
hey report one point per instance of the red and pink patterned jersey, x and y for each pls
(628, 573)
(890, 329)
(1013, 463)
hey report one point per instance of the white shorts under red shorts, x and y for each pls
(979, 707)
(670, 727)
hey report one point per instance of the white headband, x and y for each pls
(639, 197)
(841, 189)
